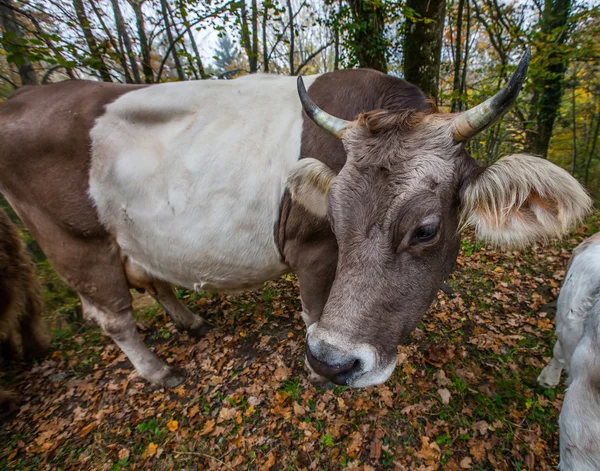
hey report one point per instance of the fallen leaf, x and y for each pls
(268, 464)
(193, 412)
(465, 463)
(208, 427)
(445, 395)
(173, 425)
(298, 409)
(151, 450)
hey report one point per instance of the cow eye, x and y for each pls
(425, 233)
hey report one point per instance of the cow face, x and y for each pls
(395, 209)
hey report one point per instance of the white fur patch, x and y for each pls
(309, 184)
(189, 177)
(522, 198)
(578, 350)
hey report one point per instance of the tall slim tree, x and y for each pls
(547, 82)
(457, 86)
(124, 35)
(84, 24)
(367, 39)
(292, 33)
(10, 25)
(190, 33)
(143, 38)
(265, 50)
(117, 46)
(172, 45)
(423, 44)
(250, 34)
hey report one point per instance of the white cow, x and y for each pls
(577, 351)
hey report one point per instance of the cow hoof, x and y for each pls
(173, 379)
(546, 382)
(201, 331)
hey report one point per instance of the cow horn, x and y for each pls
(335, 126)
(475, 120)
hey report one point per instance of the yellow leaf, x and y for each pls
(151, 450)
(173, 425)
(249, 411)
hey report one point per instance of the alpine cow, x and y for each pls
(222, 185)
(577, 351)
(20, 304)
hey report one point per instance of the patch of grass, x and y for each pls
(294, 388)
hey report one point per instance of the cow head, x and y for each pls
(396, 209)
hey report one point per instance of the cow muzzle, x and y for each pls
(334, 358)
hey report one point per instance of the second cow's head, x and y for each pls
(396, 208)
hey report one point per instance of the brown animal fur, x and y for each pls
(20, 303)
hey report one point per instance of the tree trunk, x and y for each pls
(179, 36)
(367, 38)
(292, 36)
(264, 38)
(165, 13)
(122, 31)
(10, 25)
(457, 87)
(593, 149)
(199, 63)
(246, 42)
(423, 45)
(255, 33)
(463, 80)
(90, 40)
(574, 129)
(144, 44)
(117, 46)
(547, 83)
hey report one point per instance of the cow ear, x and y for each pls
(309, 184)
(522, 198)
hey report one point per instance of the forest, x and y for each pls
(458, 51)
(464, 394)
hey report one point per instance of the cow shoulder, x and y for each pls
(44, 149)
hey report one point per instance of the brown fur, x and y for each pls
(20, 303)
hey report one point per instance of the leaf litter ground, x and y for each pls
(463, 396)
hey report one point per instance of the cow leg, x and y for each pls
(121, 327)
(550, 376)
(184, 318)
(92, 266)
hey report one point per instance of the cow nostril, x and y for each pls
(338, 373)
